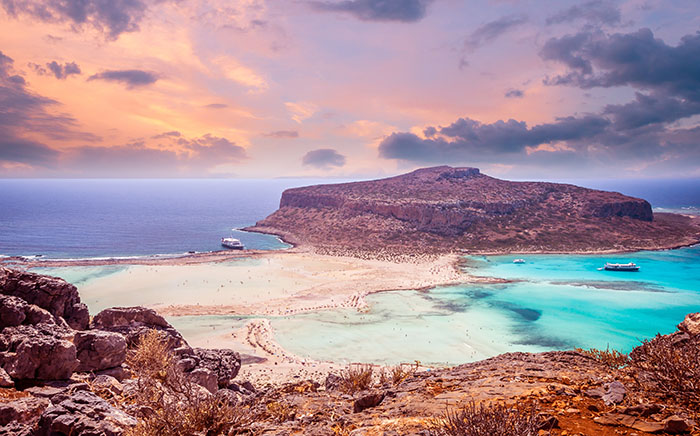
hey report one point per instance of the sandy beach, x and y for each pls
(252, 283)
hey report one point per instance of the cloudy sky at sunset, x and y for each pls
(349, 88)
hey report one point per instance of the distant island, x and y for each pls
(445, 209)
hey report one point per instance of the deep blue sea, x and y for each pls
(133, 217)
(127, 217)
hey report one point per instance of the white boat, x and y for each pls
(232, 243)
(621, 266)
(519, 261)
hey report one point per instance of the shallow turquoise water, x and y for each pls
(554, 302)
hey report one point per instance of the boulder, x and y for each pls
(132, 322)
(39, 352)
(614, 393)
(205, 378)
(11, 311)
(5, 379)
(691, 324)
(98, 350)
(368, 399)
(84, 413)
(224, 363)
(53, 294)
(677, 425)
(22, 411)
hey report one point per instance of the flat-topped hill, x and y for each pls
(444, 209)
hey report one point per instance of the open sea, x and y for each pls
(551, 302)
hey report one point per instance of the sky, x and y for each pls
(349, 88)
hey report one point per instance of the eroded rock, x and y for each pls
(40, 352)
(225, 364)
(53, 294)
(132, 322)
(84, 413)
(22, 411)
(691, 324)
(98, 350)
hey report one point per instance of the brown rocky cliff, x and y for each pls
(461, 208)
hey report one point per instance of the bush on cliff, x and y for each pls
(169, 403)
(493, 419)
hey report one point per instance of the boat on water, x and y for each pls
(519, 261)
(631, 266)
(232, 243)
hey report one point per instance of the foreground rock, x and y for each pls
(98, 350)
(55, 295)
(39, 352)
(133, 322)
(444, 209)
(84, 413)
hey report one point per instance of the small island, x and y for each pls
(444, 210)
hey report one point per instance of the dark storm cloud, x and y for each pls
(594, 12)
(289, 134)
(515, 93)
(635, 59)
(492, 30)
(112, 17)
(323, 158)
(471, 139)
(57, 70)
(377, 10)
(22, 111)
(131, 78)
(650, 109)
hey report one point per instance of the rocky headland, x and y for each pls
(126, 371)
(445, 209)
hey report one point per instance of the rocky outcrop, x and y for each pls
(132, 322)
(55, 295)
(224, 364)
(98, 350)
(25, 410)
(83, 413)
(39, 352)
(444, 209)
(691, 324)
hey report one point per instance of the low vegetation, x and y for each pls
(494, 419)
(670, 366)
(613, 359)
(169, 403)
(397, 374)
(355, 378)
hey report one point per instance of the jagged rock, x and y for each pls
(691, 324)
(614, 393)
(132, 322)
(22, 411)
(60, 387)
(119, 372)
(5, 379)
(11, 311)
(106, 383)
(677, 425)
(225, 364)
(367, 400)
(15, 429)
(39, 352)
(205, 378)
(53, 294)
(98, 350)
(644, 410)
(84, 413)
(332, 382)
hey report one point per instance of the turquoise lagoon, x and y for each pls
(551, 302)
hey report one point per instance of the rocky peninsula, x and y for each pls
(444, 209)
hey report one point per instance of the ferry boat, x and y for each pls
(519, 261)
(232, 243)
(621, 266)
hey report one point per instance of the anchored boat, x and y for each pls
(621, 266)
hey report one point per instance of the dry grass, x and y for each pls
(493, 419)
(613, 359)
(670, 367)
(279, 411)
(356, 378)
(397, 374)
(170, 403)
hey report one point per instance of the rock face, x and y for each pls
(691, 324)
(447, 208)
(132, 322)
(225, 364)
(39, 352)
(55, 295)
(84, 413)
(98, 350)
